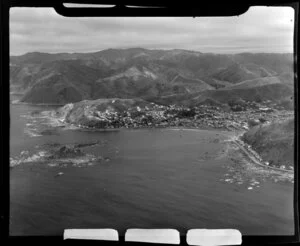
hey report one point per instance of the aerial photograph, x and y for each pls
(151, 122)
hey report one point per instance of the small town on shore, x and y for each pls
(237, 119)
(203, 117)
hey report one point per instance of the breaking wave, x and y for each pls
(32, 132)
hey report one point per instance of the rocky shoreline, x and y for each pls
(274, 143)
(36, 104)
(61, 155)
(118, 114)
(256, 158)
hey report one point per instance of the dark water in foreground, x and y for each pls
(159, 178)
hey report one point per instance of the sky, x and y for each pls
(260, 29)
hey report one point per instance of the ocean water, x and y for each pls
(146, 178)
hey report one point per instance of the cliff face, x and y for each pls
(274, 142)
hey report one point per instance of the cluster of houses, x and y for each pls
(203, 116)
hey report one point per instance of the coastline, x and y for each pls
(151, 127)
(234, 134)
(17, 102)
(254, 156)
(235, 137)
(245, 148)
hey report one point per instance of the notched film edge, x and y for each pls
(119, 124)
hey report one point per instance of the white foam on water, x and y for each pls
(31, 133)
(80, 161)
(32, 158)
(192, 130)
(14, 162)
(71, 127)
(24, 158)
(27, 116)
(24, 152)
(87, 160)
(43, 153)
(52, 164)
(54, 122)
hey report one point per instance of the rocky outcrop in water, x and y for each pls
(66, 151)
(58, 155)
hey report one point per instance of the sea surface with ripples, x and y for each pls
(140, 178)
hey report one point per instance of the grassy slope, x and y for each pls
(83, 112)
(274, 142)
(254, 83)
(272, 92)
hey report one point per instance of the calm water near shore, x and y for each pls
(149, 178)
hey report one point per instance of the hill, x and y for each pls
(159, 74)
(272, 62)
(276, 92)
(273, 142)
(240, 72)
(94, 113)
(252, 83)
(191, 85)
(215, 83)
(59, 82)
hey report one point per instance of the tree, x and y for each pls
(258, 99)
(252, 123)
(262, 120)
(186, 113)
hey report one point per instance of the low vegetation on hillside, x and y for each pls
(274, 142)
(167, 76)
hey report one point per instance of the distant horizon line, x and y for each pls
(154, 49)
